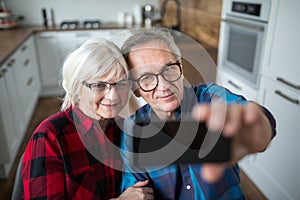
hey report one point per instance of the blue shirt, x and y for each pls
(183, 181)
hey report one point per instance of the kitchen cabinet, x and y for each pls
(8, 130)
(19, 88)
(276, 171)
(70, 40)
(49, 61)
(281, 61)
(236, 85)
(27, 80)
(118, 36)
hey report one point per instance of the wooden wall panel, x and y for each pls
(200, 19)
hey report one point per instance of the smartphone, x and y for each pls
(177, 142)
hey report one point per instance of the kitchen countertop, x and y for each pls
(11, 39)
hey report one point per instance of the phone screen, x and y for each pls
(175, 142)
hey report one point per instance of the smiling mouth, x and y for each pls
(166, 96)
(109, 104)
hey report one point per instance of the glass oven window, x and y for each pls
(242, 48)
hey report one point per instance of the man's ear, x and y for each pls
(137, 93)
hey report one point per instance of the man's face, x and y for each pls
(166, 97)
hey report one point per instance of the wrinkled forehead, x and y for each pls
(152, 53)
(149, 57)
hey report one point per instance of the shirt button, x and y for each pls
(188, 187)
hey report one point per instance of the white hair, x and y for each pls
(93, 59)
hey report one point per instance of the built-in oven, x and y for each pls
(242, 36)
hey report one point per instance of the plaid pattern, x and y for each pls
(184, 181)
(60, 160)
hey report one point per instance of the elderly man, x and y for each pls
(155, 62)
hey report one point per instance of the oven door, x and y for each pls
(240, 48)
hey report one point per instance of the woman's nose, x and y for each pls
(111, 93)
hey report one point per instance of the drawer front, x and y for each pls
(25, 64)
(236, 85)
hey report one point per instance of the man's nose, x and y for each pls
(162, 83)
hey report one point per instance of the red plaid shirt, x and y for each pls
(61, 160)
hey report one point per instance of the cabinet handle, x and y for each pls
(234, 85)
(27, 61)
(82, 35)
(3, 71)
(297, 87)
(46, 37)
(24, 48)
(29, 81)
(253, 27)
(295, 101)
(11, 62)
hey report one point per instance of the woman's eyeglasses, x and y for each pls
(101, 87)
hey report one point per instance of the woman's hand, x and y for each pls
(137, 191)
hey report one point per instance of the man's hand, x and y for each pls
(138, 191)
(246, 124)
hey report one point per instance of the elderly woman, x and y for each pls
(74, 153)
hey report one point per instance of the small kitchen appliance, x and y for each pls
(69, 24)
(7, 19)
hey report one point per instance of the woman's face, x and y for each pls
(102, 98)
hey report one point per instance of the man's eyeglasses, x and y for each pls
(101, 87)
(171, 72)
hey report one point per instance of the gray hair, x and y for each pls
(147, 35)
(94, 59)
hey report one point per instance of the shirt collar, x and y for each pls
(82, 122)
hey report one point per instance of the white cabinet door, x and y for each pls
(118, 36)
(283, 43)
(20, 87)
(10, 117)
(14, 99)
(8, 130)
(27, 80)
(276, 171)
(70, 40)
(49, 61)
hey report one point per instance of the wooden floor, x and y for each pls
(48, 106)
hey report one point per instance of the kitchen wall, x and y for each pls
(74, 9)
(200, 19)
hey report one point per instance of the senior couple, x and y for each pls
(75, 153)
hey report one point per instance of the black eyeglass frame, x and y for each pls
(107, 85)
(160, 73)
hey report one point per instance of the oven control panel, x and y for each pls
(247, 9)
